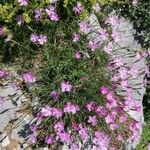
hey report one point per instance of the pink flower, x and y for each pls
(116, 36)
(66, 87)
(93, 45)
(83, 132)
(92, 120)
(59, 127)
(71, 108)
(108, 48)
(101, 111)
(33, 37)
(33, 139)
(42, 39)
(52, 13)
(33, 127)
(109, 118)
(39, 116)
(78, 8)
(3, 73)
(123, 72)
(20, 20)
(116, 77)
(135, 2)
(55, 95)
(84, 27)
(103, 34)
(124, 84)
(47, 111)
(120, 137)
(23, 2)
(76, 37)
(49, 139)
(38, 14)
(54, 17)
(101, 140)
(134, 71)
(113, 126)
(122, 118)
(78, 55)
(74, 146)
(118, 62)
(90, 106)
(57, 112)
(104, 90)
(114, 21)
(111, 103)
(109, 96)
(29, 78)
(64, 137)
(96, 7)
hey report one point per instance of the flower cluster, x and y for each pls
(41, 39)
(72, 108)
(51, 12)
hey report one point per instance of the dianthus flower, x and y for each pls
(116, 36)
(108, 48)
(42, 39)
(101, 111)
(93, 45)
(55, 95)
(20, 20)
(49, 139)
(84, 27)
(83, 132)
(57, 112)
(118, 62)
(33, 138)
(92, 120)
(78, 55)
(47, 111)
(3, 73)
(74, 146)
(101, 140)
(64, 137)
(113, 21)
(113, 126)
(103, 34)
(134, 71)
(76, 37)
(109, 118)
(78, 8)
(135, 2)
(52, 13)
(59, 127)
(90, 106)
(33, 37)
(104, 90)
(29, 78)
(123, 72)
(71, 108)
(23, 2)
(38, 14)
(96, 7)
(66, 87)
